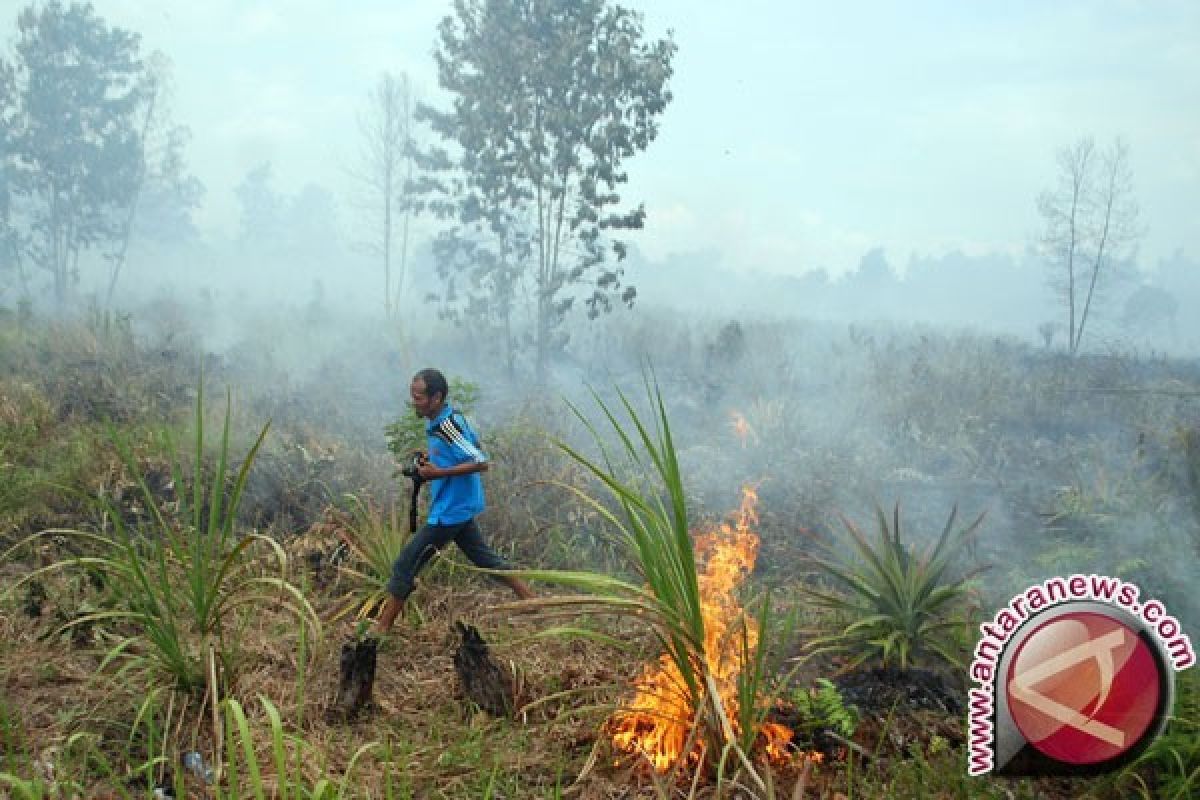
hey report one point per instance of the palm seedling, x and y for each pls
(181, 589)
(902, 606)
(651, 520)
(373, 537)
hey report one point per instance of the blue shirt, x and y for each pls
(452, 441)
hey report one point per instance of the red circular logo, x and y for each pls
(1083, 688)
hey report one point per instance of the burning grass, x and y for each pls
(659, 723)
(699, 712)
(65, 723)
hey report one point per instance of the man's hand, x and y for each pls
(429, 472)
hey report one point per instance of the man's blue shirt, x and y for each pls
(452, 441)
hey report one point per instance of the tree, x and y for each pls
(1090, 227)
(263, 208)
(550, 98)
(169, 195)
(1149, 309)
(161, 190)
(386, 173)
(9, 242)
(75, 138)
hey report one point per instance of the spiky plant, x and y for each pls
(902, 606)
(180, 590)
(642, 477)
(374, 537)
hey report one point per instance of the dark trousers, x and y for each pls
(432, 538)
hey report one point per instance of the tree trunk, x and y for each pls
(127, 230)
(1098, 262)
(483, 681)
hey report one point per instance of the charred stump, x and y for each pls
(357, 680)
(483, 681)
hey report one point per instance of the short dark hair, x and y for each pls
(435, 382)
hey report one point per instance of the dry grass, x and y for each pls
(52, 687)
(428, 738)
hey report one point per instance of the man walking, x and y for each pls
(452, 465)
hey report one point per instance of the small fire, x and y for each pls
(741, 427)
(659, 722)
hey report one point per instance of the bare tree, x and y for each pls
(1091, 227)
(386, 171)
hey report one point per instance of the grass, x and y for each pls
(374, 536)
(176, 597)
(643, 480)
(48, 698)
(1169, 769)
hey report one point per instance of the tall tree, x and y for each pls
(76, 137)
(1090, 227)
(10, 255)
(550, 98)
(163, 195)
(386, 173)
(170, 193)
(263, 208)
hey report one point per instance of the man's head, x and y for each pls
(428, 392)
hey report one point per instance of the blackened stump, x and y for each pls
(357, 665)
(483, 681)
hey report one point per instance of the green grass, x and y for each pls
(953, 407)
(374, 536)
(178, 595)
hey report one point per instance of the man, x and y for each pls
(452, 466)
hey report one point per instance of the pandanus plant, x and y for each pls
(642, 478)
(179, 591)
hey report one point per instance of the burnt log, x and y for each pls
(357, 679)
(483, 681)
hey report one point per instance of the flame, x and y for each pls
(658, 723)
(741, 427)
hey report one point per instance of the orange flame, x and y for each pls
(658, 723)
(741, 427)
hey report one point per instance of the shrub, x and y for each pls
(179, 594)
(901, 606)
(374, 536)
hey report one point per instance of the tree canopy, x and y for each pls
(550, 98)
(1090, 227)
(75, 141)
(83, 135)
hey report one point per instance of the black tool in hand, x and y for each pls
(412, 471)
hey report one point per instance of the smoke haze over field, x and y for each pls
(800, 141)
(814, 172)
(884, 264)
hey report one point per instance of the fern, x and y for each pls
(822, 707)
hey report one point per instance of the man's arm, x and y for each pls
(464, 447)
(429, 472)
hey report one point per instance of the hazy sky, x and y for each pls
(801, 133)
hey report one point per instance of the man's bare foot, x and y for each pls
(519, 587)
